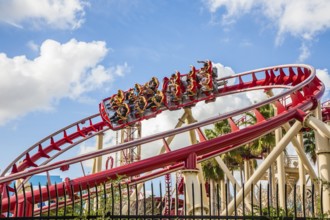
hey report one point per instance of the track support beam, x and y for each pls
(193, 140)
(280, 170)
(302, 156)
(323, 156)
(278, 149)
(194, 193)
(318, 126)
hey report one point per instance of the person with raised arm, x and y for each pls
(156, 101)
(121, 114)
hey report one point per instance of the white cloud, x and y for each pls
(234, 8)
(224, 71)
(120, 70)
(33, 46)
(256, 96)
(304, 53)
(68, 70)
(163, 122)
(83, 149)
(91, 146)
(303, 19)
(58, 14)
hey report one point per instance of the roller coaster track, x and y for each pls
(301, 91)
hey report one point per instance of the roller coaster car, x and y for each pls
(176, 99)
(110, 110)
(138, 108)
(173, 93)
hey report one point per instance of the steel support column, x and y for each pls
(302, 173)
(193, 193)
(323, 156)
(232, 179)
(280, 170)
(318, 126)
(193, 140)
(279, 161)
(302, 155)
(97, 165)
(278, 149)
(169, 140)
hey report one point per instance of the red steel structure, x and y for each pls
(301, 93)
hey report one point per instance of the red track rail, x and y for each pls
(303, 89)
(67, 138)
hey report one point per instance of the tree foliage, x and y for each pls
(309, 144)
(235, 158)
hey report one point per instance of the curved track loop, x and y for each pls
(302, 90)
(80, 133)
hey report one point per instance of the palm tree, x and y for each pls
(220, 128)
(244, 155)
(232, 158)
(211, 168)
(212, 171)
(236, 158)
(266, 142)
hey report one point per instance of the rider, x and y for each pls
(171, 84)
(192, 87)
(130, 98)
(193, 74)
(117, 99)
(206, 82)
(213, 71)
(153, 84)
(208, 75)
(121, 113)
(151, 87)
(174, 87)
(207, 67)
(156, 100)
(138, 89)
(140, 105)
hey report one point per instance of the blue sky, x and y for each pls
(58, 59)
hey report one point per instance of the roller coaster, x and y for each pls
(297, 104)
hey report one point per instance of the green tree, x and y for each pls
(309, 144)
(265, 143)
(236, 158)
(211, 169)
(232, 158)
